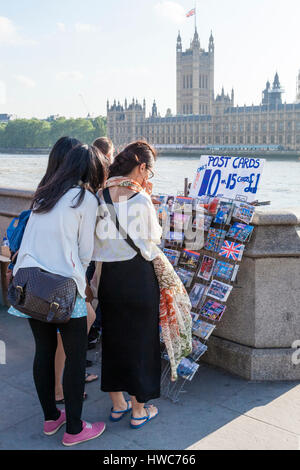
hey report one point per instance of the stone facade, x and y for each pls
(203, 120)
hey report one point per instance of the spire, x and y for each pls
(276, 83)
(107, 105)
(179, 43)
(144, 105)
(154, 109)
(211, 46)
(196, 42)
(125, 103)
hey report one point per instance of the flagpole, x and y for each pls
(195, 15)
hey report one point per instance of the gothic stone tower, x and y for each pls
(195, 77)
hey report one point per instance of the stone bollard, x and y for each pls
(259, 330)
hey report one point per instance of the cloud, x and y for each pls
(73, 75)
(61, 27)
(26, 81)
(9, 34)
(170, 10)
(85, 28)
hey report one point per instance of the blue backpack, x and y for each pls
(15, 231)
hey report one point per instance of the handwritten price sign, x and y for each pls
(236, 178)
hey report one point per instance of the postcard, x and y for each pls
(231, 250)
(202, 222)
(224, 213)
(244, 212)
(183, 204)
(214, 239)
(194, 316)
(218, 290)
(197, 293)
(206, 269)
(198, 349)
(181, 221)
(213, 310)
(175, 237)
(203, 330)
(206, 204)
(185, 276)
(226, 271)
(189, 259)
(172, 255)
(240, 232)
(187, 369)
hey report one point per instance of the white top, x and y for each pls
(62, 240)
(138, 218)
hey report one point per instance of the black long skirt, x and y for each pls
(129, 300)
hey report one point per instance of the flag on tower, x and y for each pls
(191, 13)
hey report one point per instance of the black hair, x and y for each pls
(83, 167)
(57, 155)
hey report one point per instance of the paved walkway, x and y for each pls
(218, 410)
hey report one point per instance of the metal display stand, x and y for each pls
(174, 390)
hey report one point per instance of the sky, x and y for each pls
(68, 57)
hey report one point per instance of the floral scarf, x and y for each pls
(175, 305)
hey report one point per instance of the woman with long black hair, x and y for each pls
(59, 239)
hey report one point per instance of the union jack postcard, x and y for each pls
(232, 251)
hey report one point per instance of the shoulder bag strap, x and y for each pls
(115, 220)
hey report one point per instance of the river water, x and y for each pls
(280, 182)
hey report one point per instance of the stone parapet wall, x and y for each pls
(262, 320)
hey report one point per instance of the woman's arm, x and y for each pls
(87, 230)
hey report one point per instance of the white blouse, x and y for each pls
(138, 218)
(62, 240)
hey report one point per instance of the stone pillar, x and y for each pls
(262, 321)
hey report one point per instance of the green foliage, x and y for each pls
(34, 133)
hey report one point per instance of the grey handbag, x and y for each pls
(42, 295)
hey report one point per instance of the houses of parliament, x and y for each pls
(204, 120)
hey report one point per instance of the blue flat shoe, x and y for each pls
(146, 418)
(123, 413)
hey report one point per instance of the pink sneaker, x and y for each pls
(51, 427)
(89, 432)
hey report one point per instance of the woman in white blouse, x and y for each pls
(59, 238)
(128, 290)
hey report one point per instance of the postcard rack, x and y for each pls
(208, 270)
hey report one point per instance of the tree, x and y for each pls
(34, 133)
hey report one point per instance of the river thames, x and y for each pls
(280, 182)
